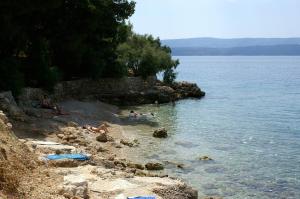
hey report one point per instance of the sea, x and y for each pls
(248, 123)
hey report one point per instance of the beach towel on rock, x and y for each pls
(142, 197)
(68, 156)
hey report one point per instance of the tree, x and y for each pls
(77, 39)
(145, 56)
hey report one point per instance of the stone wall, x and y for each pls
(107, 86)
(107, 89)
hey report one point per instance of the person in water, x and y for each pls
(133, 114)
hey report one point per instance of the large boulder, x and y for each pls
(160, 133)
(10, 107)
(186, 89)
(176, 192)
(104, 137)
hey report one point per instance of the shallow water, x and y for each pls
(249, 123)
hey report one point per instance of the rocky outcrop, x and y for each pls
(123, 91)
(178, 192)
(186, 89)
(160, 133)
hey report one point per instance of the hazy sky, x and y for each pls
(217, 18)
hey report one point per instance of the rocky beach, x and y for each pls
(88, 127)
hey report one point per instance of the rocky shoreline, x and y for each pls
(127, 91)
(160, 93)
(107, 174)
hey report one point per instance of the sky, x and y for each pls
(174, 19)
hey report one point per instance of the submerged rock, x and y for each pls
(135, 166)
(133, 143)
(127, 143)
(154, 166)
(173, 164)
(205, 158)
(160, 133)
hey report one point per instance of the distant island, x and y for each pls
(231, 47)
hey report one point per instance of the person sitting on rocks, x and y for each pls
(47, 104)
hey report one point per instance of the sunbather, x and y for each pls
(98, 129)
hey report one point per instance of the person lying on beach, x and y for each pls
(99, 129)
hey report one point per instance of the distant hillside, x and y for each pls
(278, 50)
(243, 46)
(229, 43)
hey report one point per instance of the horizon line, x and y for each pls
(225, 38)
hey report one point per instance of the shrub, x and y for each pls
(146, 56)
(169, 76)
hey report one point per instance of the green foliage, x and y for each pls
(41, 73)
(145, 56)
(42, 42)
(78, 37)
(169, 76)
(10, 76)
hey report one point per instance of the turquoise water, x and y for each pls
(249, 123)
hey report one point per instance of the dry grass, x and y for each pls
(21, 174)
(15, 161)
(9, 180)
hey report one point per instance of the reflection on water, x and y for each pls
(248, 123)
